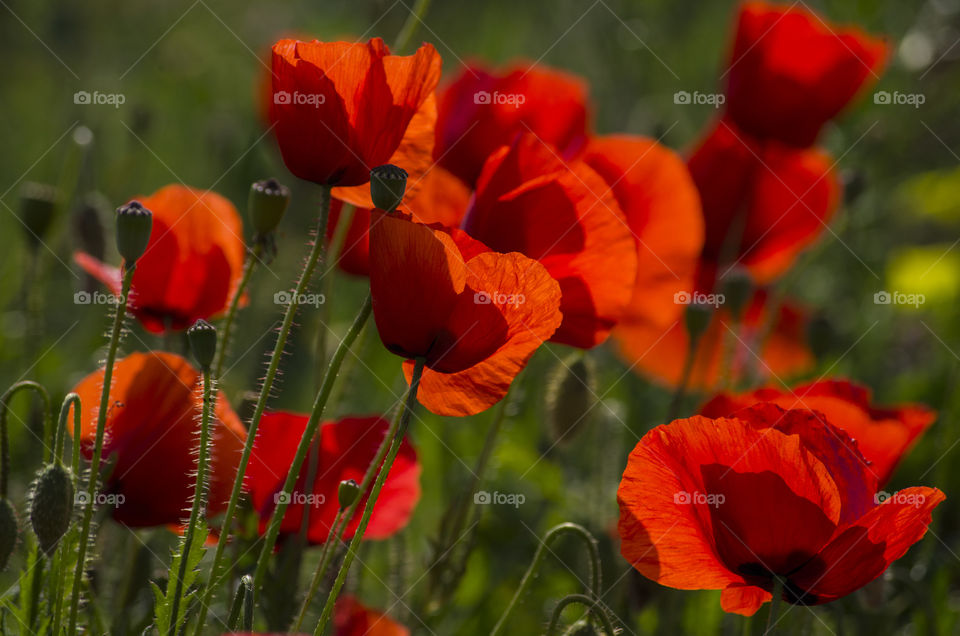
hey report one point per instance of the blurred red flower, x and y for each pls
(350, 618)
(346, 447)
(340, 108)
(152, 429)
(475, 315)
(883, 434)
(192, 263)
(730, 503)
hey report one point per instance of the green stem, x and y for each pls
(72, 400)
(85, 538)
(248, 267)
(593, 607)
(555, 532)
(777, 593)
(410, 26)
(213, 579)
(239, 608)
(4, 438)
(273, 528)
(334, 250)
(396, 441)
(318, 573)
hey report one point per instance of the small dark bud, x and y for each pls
(347, 493)
(203, 342)
(697, 319)
(569, 397)
(737, 290)
(134, 223)
(38, 207)
(51, 506)
(388, 183)
(9, 530)
(267, 203)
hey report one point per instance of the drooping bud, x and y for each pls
(9, 531)
(51, 506)
(203, 342)
(570, 397)
(737, 290)
(697, 319)
(38, 206)
(347, 493)
(267, 203)
(388, 183)
(134, 223)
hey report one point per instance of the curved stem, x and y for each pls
(555, 532)
(4, 438)
(128, 271)
(248, 267)
(395, 441)
(593, 606)
(199, 497)
(777, 593)
(213, 579)
(71, 400)
(319, 404)
(410, 26)
(318, 573)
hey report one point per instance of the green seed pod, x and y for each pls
(737, 289)
(581, 628)
(203, 342)
(38, 206)
(347, 493)
(267, 203)
(51, 506)
(570, 397)
(697, 319)
(9, 531)
(388, 183)
(134, 223)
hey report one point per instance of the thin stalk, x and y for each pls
(318, 573)
(72, 400)
(774, 605)
(4, 438)
(85, 538)
(333, 256)
(213, 579)
(681, 391)
(238, 610)
(249, 265)
(410, 26)
(593, 607)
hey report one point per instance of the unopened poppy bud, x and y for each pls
(9, 530)
(51, 506)
(134, 223)
(737, 289)
(569, 397)
(388, 183)
(581, 628)
(697, 319)
(347, 493)
(267, 203)
(38, 206)
(203, 342)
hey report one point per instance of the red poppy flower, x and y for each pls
(350, 618)
(563, 214)
(152, 427)
(192, 263)
(480, 111)
(730, 503)
(883, 434)
(791, 71)
(763, 203)
(475, 315)
(346, 449)
(340, 108)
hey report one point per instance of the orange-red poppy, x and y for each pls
(730, 503)
(151, 429)
(346, 448)
(565, 215)
(340, 108)
(482, 110)
(883, 434)
(791, 71)
(192, 263)
(351, 618)
(475, 315)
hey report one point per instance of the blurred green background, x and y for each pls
(190, 73)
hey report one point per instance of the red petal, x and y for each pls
(350, 618)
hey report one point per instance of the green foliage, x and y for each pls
(163, 618)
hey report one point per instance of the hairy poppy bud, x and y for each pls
(388, 183)
(737, 287)
(267, 203)
(8, 532)
(51, 506)
(347, 493)
(134, 223)
(38, 205)
(697, 319)
(570, 397)
(203, 342)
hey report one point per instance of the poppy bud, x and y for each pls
(697, 319)
(134, 223)
(737, 288)
(347, 493)
(581, 628)
(267, 203)
(569, 397)
(9, 530)
(51, 506)
(38, 205)
(203, 342)
(388, 183)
